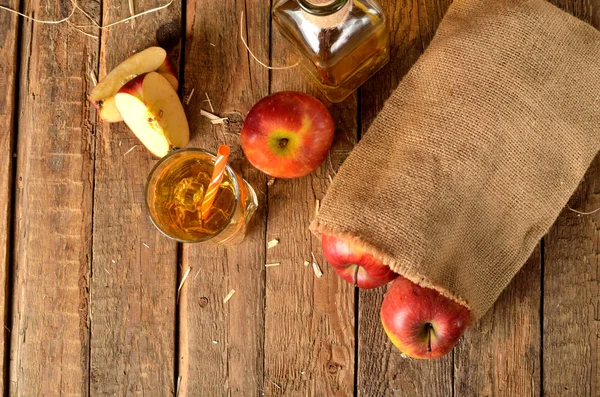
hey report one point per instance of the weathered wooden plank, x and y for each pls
(571, 301)
(221, 344)
(8, 69)
(571, 316)
(500, 355)
(381, 368)
(134, 269)
(383, 371)
(586, 10)
(431, 13)
(50, 335)
(309, 321)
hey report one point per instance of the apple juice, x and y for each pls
(175, 192)
(342, 42)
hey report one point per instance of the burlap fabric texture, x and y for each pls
(477, 151)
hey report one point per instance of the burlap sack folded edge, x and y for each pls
(319, 228)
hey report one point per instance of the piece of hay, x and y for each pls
(583, 213)
(93, 77)
(130, 150)
(189, 97)
(131, 8)
(316, 267)
(242, 25)
(212, 117)
(212, 109)
(185, 276)
(50, 22)
(229, 295)
(177, 387)
(135, 16)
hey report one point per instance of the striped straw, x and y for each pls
(215, 182)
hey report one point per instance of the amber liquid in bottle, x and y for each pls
(342, 42)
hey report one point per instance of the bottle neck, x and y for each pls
(322, 7)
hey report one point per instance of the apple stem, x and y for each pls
(356, 275)
(282, 143)
(429, 329)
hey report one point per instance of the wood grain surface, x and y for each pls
(8, 106)
(571, 277)
(500, 355)
(222, 343)
(92, 287)
(134, 270)
(309, 321)
(571, 321)
(50, 333)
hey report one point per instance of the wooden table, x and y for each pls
(91, 304)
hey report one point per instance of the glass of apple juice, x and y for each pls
(174, 193)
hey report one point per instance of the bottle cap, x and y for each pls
(328, 21)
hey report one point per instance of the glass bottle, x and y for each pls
(342, 42)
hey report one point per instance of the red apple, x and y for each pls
(355, 265)
(151, 108)
(148, 60)
(287, 134)
(421, 322)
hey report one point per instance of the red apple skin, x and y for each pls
(166, 69)
(287, 134)
(135, 84)
(134, 87)
(421, 322)
(350, 262)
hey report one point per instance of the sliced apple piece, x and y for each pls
(108, 111)
(166, 69)
(149, 60)
(151, 108)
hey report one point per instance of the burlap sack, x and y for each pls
(477, 151)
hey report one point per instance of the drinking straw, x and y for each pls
(215, 182)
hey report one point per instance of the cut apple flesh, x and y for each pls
(108, 111)
(166, 69)
(149, 60)
(143, 62)
(151, 108)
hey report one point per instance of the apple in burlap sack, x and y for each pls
(354, 265)
(419, 321)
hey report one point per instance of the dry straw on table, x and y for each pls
(477, 151)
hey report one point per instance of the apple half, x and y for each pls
(152, 110)
(149, 60)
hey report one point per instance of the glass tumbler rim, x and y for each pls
(167, 157)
